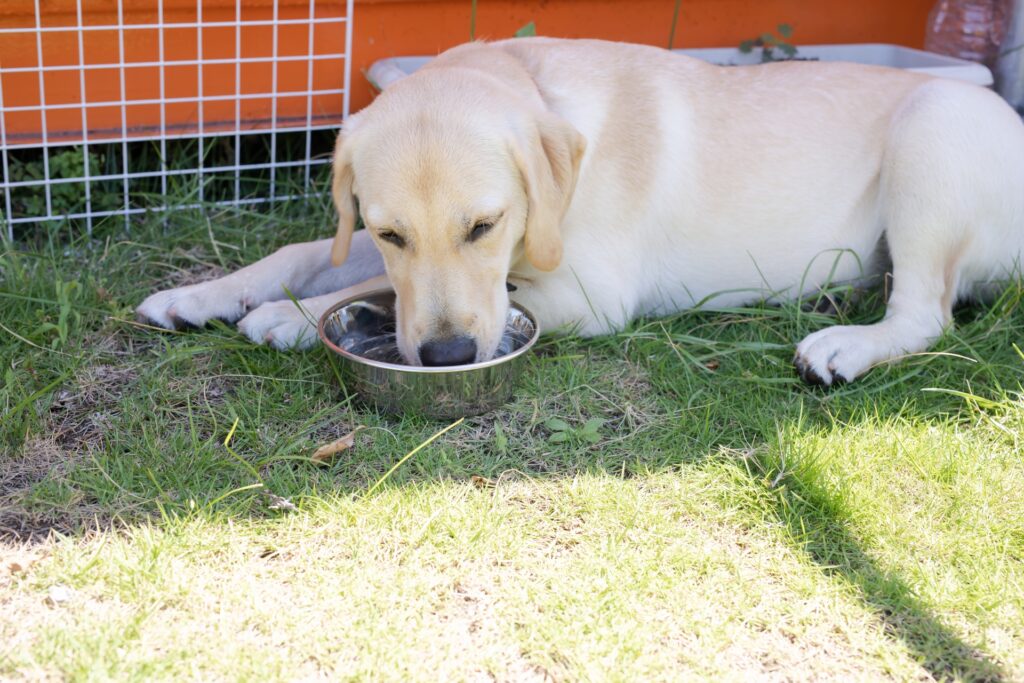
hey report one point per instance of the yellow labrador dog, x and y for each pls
(601, 181)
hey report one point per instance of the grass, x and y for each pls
(725, 521)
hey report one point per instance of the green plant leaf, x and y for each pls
(559, 437)
(500, 440)
(746, 46)
(527, 31)
(557, 424)
(785, 30)
(591, 437)
(592, 425)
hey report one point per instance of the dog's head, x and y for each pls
(456, 179)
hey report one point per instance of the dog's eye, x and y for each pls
(480, 229)
(393, 237)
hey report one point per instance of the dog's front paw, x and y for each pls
(836, 354)
(194, 306)
(281, 324)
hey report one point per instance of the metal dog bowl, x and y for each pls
(361, 332)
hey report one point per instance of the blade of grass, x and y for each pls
(412, 453)
(675, 18)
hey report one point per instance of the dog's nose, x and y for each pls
(454, 351)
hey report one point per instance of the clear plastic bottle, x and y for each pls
(968, 29)
(1010, 67)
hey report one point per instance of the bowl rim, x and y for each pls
(419, 369)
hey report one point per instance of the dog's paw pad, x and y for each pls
(808, 374)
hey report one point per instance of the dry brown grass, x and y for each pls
(534, 599)
(75, 425)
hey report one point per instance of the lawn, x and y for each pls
(161, 519)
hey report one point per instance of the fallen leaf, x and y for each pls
(557, 424)
(327, 452)
(275, 502)
(712, 365)
(482, 482)
(18, 566)
(20, 562)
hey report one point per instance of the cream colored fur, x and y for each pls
(625, 181)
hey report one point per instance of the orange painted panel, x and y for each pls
(128, 96)
(382, 28)
(389, 28)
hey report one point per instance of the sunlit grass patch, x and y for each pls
(669, 501)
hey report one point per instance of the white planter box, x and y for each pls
(386, 71)
(876, 54)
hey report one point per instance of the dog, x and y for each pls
(595, 182)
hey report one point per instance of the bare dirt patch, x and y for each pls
(40, 458)
(78, 419)
(210, 390)
(469, 614)
(83, 412)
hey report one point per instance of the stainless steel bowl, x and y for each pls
(361, 332)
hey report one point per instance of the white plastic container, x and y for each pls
(876, 54)
(386, 71)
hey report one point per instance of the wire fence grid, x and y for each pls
(115, 111)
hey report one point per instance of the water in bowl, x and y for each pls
(383, 349)
(374, 336)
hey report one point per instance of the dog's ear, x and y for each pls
(549, 161)
(344, 201)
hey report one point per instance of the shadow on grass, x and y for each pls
(813, 517)
(766, 395)
(153, 439)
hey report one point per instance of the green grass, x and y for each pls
(729, 522)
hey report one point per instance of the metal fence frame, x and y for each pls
(85, 137)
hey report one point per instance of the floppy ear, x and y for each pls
(549, 161)
(344, 202)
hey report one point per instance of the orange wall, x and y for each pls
(382, 28)
(389, 28)
(184, 81)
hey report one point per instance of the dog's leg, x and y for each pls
(303, 269)
(918, 310)
(950, 193)
(927, 242)
(290, 325)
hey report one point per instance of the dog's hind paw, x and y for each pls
(835, 355)
(811, 376)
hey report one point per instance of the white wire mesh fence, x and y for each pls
(113, 109)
